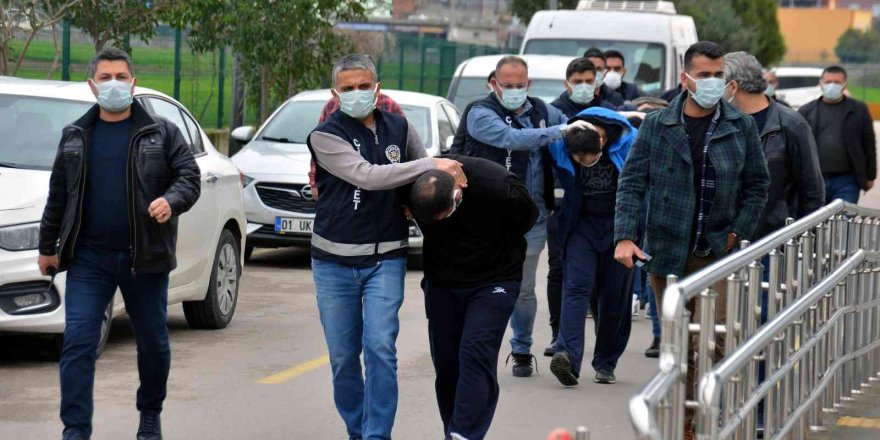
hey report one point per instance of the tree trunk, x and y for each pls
(24, 49)
(238, 103)
(264, 93)
(56, 60)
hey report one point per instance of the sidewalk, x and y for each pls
(859, 420)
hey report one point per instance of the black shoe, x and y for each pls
(654, 350)
(605, 376)
(150, 427)
(551, 349)
(560, 366)
(70, 434)
(522, 364)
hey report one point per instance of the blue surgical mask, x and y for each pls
(582, 93)
(114, 95)
(832, 91)
(709, 91)
(770, 90)
(600, 78)
(357, 103)
(513, 99)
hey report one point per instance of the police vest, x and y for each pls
(516, 162)
(353, 226)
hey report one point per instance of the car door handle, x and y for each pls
(212, 178)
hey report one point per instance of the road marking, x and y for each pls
(859, 422)
(296, 370)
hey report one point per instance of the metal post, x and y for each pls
(65, 50)
(771, 363)
(422, 64)
(178, 36)
(752, 315)
(402, 48)
(789, 384)
(221, 86)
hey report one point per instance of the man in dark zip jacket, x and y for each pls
(120, 180)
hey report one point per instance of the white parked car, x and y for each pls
(209, 250)
(798, 85)
(547, 73)
(276, 161)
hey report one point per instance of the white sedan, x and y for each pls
(209, 250)
(276, 161)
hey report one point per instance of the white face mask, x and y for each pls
(832, 91)
(600, 78)
(114, 95)
(582, 93)
(709, 91)
(358, 103)
(613, 79)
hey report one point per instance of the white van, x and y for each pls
(547, 73)
(651, 36)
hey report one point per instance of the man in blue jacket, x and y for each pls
(588, 164)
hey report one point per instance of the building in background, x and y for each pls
(811, 33)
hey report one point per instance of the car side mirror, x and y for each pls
(243, 134)
(448, 145)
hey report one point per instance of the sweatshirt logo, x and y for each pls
(393, 153)
(499, 290)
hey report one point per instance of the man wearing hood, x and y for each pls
(588, 164)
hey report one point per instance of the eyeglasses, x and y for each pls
(519, 86)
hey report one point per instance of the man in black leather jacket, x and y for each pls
(120, 180)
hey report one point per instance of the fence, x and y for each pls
(819, 346)
(423, 64)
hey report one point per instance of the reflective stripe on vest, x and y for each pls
(356, 250)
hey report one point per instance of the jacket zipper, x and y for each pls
(131, 208)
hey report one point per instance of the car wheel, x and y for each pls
(248, 251)
(103, 337)
(105, 328)
(216, 310)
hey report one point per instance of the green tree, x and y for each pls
(855, 46)
(283, 46)
(525, 9)
(114, 20)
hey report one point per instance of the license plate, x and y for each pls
(285, 225)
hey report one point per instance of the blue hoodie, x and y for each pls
(567, 170)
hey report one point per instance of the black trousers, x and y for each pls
(466, 327)
(554, 275)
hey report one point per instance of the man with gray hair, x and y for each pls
(359, 242)
(796, 184)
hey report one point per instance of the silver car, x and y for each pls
(276, 161)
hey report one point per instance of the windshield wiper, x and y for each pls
(8, 165)
(274, 139)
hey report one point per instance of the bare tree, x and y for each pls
(27, 15)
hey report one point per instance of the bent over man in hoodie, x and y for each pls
(588, 163)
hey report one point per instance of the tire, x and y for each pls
(216, 310)
(104, 336)
(248, 251)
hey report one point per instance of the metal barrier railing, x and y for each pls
(822, 316)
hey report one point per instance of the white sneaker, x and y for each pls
(635, 306)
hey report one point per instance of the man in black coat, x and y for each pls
(120, 180)
(474, 251)
(845, 138)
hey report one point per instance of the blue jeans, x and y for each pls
(591, 270)
(844, 187)
(654, 313)
(358, 309)
(523, 319)
(92, 279)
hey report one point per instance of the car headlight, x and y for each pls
(20, 237)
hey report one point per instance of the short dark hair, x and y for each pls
(708, 49)
(491, 76)
(431, 195)
(109, 54)
(582, 141)
(834, 69)
(511, 59)
(579, 65)
(613, 53)
(594, 52)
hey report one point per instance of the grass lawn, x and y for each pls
(866, 94)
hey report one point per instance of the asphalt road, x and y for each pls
(266, 376)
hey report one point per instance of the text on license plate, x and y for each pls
(285, 225)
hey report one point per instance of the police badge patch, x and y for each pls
(393, 153)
